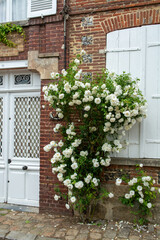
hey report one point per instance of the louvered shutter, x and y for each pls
(38, 8)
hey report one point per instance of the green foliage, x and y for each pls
(95, 116)
(141, 195)
(7, 28)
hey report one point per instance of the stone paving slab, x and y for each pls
(15, 225)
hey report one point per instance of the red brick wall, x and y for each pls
(104, 22)
(47, 180)
(107, 16)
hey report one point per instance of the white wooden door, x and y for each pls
(137, 50)
(20, 139)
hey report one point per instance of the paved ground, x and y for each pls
(15, 225)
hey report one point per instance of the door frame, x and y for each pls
(6, 92)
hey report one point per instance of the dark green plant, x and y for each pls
(7, 28)
(141, 195)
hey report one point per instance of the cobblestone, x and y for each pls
(16, 225)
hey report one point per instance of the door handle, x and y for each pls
(24, 168)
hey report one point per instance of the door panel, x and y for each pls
(24, 149)
(2, 152)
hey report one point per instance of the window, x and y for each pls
(13, 10)
(18, 10)
(137, 50)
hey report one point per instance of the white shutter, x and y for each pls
(124, 54)
(38, 8)
(152, 122)
(137, 51)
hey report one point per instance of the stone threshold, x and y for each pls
(19, 208)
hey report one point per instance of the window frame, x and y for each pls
(29, 13)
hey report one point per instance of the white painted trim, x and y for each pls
(20, 90)
(13, 64)
(41, 13)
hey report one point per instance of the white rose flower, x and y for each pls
(61, 96)
(53, 144)
(56, 197)
(87, 180)
(83, 52)
(95, 181)
(130, 183)
(118, 115)
(96, 164)
(60, 144)
(149, 205)
(97, 100)
(141, 194)
(148, 178)
(79, 184)
(53, 74)
(60, 115)
(70, 186)
(45, 88)
(87, 108)
(67, 206)
(77, 76)
(71, 104)
(127, 113)
(73, 199)
(152, 189)
(141, 200)
(106, 147)
(110, 195)
(67, 182)
(87, 85)
(132, 193)
(74, 68)
(103, 86)
(134, 180)
(84, 153)
(118, 181)
(77, 61)
(64, 72)
(74, 166)
(141, 165)
(139, 188)
(110, 109)
(127, 196)
(74, 176)
(85, 115)
(112, 119)
(47, 148)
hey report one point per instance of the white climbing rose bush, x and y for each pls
(97, 115)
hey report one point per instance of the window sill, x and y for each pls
(148, 162)
(22, 23)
